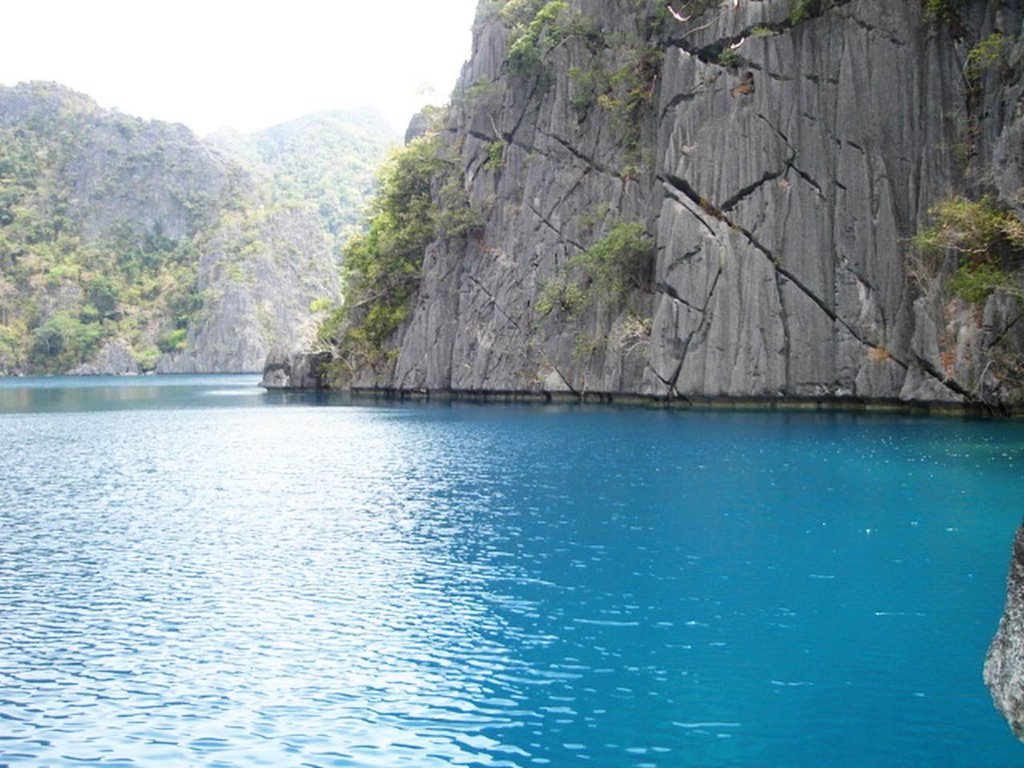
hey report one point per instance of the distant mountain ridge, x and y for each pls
(129, 245)
(328, 158)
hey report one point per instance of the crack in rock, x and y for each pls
(422, 361)
(670, 193)
(481, 136)
(561, 235)
(809, 179)
(682, 186)
(679, 98)
(527, 102)
(565, 381)
(1009, 327)
(787, 344)
(781, 135)
(672, 182)
(670, 268)
(790, 163)
(580, 155)
(949, 383)
(561, 201)
(495, 302)
(885, 35)
(710, 52)
(673, 294)
(670, 384)
(747, 191)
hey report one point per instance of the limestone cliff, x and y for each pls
(781, 154)
(259, 271)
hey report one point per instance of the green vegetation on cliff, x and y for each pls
(382, 266)
(419, 199)
(659, 216)
(604, 273)
(618, 76)
(985, 241)
(70, 277)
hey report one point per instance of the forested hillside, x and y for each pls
(328, 158)
(128, 245)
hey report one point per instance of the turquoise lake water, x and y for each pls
(194, 572)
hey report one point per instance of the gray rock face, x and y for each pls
(259, 290)
(157, 177)
(782, 193)
(115, 358)
(295, 370)
(126, 173)
(1004, 665)
(417, 127)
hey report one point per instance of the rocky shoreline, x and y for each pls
(307, 372)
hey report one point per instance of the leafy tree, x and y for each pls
(531, 39)
(104, 295)
(63, 341)
(382, 266)
(620, 260)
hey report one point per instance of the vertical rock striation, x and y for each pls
(782, 162)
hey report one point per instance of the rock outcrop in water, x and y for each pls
(286, 370)
(1004, 665)
(780, 154)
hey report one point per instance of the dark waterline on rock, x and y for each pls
(197, 572)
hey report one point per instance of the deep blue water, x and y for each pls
(193, 572)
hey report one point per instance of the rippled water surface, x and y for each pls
(193, 572)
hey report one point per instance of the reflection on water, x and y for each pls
(90, 393)
(207, 575)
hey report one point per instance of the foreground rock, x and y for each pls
(1004, 665)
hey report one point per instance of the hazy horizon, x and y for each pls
(238, 66)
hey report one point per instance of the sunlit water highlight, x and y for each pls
(193, 572)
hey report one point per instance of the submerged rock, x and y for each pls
(295, 370)
(1004, 665)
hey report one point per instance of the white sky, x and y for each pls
(246, 65)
